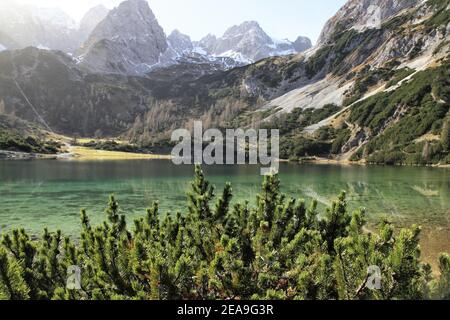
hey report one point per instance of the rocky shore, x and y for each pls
(13, 155)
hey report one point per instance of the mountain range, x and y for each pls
(46, 28)
(248, 43)
(129, 39)
(375, 87)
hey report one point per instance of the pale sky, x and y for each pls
(196, 18)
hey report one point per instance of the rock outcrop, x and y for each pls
(363, 14)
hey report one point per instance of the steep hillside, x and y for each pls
(404, 125)
(48, 89)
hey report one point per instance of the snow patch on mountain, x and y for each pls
(240, 45)
(237, 56)
(42, 47)
(199, 50)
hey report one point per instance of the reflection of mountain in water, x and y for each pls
(392, 199)
(311, 193)
(426, 192)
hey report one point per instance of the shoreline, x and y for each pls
(15, 155)
(81, 154)
(88, 154)
(318, 161)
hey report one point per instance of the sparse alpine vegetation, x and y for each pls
(395, 121)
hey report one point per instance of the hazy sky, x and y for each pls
(279, 18)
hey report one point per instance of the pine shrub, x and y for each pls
(278, 249)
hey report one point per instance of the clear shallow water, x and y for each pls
(38, 194)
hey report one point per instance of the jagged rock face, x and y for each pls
(208, 43)
(247, 43)
(241, 45)
(248, 39)
(40, 27)
(363, 14)
(180, 43)
(302, 44)
(180, 47)
(129, 40)
(183, 51)
(90, 20)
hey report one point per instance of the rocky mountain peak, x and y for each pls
(180, 42)
(129, 40)
(246, 31)
(248, 43)
(131, 20)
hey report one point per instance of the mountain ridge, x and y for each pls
(250, 43)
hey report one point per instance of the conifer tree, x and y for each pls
(445, 135)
